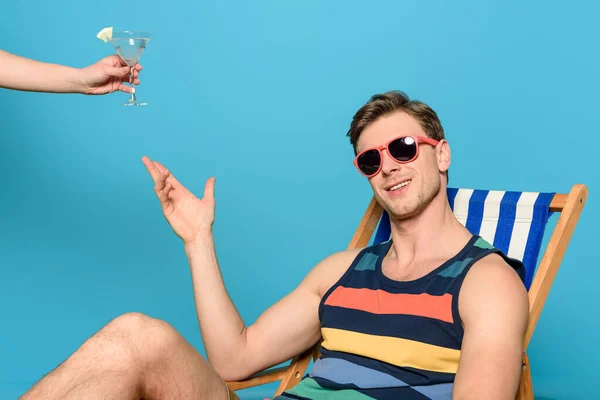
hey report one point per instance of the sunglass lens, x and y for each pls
(369, 162)
(403, 149)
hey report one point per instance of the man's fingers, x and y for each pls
(161, 183)
(171, 178)
(127, 78)
(152, 169)
(163, 195)
(160, 167)
(124, 88)
(119, 72)
(162, 187)
(114, 60)
(209, 188)
(160, 174)
(164, 171)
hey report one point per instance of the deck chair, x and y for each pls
(514, 222)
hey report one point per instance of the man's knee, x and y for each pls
(144, 336)
(129, 324)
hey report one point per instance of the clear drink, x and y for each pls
(130, 49)
(130, 45)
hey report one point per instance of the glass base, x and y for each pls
(132, 101)
(135, 103)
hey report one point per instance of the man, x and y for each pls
(105, 76)
(392, 322)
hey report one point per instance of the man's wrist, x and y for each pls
(76, 81)
(203, 238)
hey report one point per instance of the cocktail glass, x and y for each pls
(130, 45)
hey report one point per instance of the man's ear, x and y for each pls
(442, 150)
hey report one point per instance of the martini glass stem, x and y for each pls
(132, 84)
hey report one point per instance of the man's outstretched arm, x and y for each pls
(283, 331)
(105, 76)
(494, 307)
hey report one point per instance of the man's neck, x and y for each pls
(434, 233)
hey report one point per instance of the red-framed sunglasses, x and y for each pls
(403, 149)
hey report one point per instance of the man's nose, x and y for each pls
(388, 164)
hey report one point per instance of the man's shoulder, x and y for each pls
(494, 265)
(492, 283)
(491, 268)
(329, 270)
(491, 260)
(338, 260)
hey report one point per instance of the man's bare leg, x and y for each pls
(133, 357)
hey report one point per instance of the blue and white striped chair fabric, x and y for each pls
(513, 222)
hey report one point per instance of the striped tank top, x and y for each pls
(385, 339)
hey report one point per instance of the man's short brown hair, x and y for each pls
(387, 103)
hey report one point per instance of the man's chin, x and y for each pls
(402, 212)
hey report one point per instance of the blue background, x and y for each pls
(260, 94)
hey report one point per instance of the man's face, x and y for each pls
(421, 177)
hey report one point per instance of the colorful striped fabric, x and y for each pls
(514, 222)
(385, 339)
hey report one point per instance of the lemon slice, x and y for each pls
(105, 34)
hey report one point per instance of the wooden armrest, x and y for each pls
(289, 375)
(261, 378)
(571, 206)
(525, 391)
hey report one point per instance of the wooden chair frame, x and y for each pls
(568, 205)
